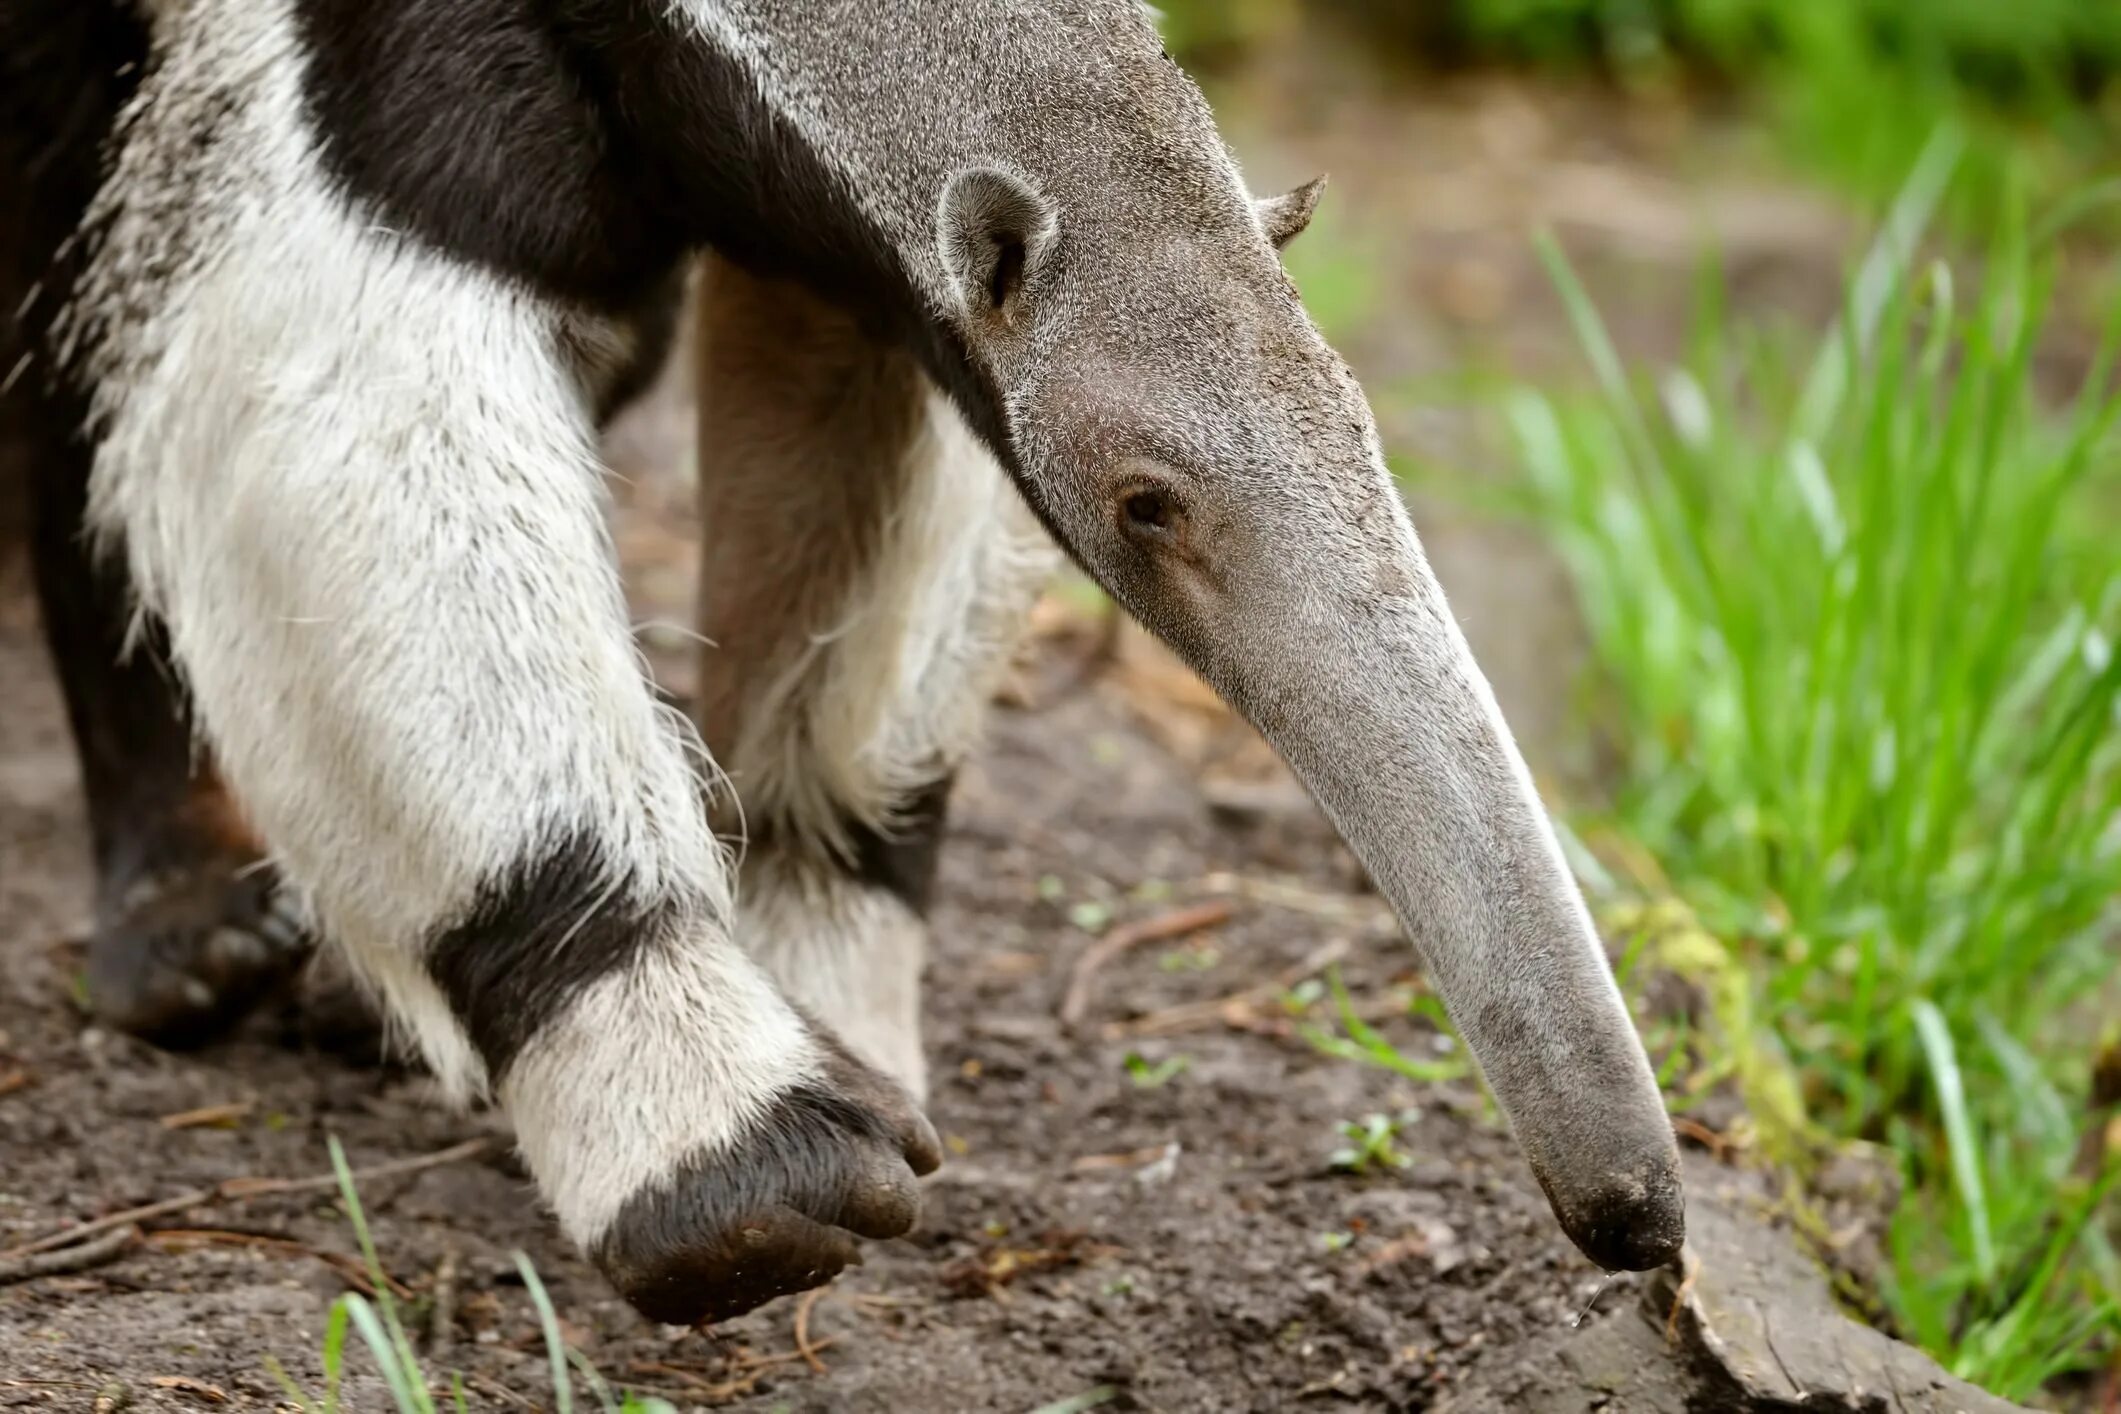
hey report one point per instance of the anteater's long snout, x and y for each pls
(1373, 697)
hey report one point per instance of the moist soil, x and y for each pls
(1149, 1212)
(1150, 1208)
(1138, 1212)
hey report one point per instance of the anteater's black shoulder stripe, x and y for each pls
(471, 124)
(583, 146)
(744, 180)
(534, 938)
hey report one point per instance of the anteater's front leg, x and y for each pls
(404, 634)
(360, 491)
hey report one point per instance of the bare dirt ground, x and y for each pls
(1165, 1233)
(1172, 1239)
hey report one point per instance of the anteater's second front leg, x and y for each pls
(868, 569)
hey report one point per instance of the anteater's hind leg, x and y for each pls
(867, 571)
(188, 930)
(191, 928)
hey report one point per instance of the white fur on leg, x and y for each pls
(670, 1058)
(847, 952)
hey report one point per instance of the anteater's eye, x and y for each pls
(1149, 511)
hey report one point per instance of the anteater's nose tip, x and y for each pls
(1631, 1223)
(1632, 1243)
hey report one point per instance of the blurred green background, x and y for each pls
(1749, 366)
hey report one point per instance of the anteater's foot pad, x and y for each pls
(180, 955)
(779, 1211)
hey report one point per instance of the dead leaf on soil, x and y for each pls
(990, 1271)
(226, 1116)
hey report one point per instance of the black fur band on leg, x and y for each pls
(900, 858)
(536, 937)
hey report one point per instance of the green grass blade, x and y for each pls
(1093, 1398)
(1959, 1132)
(549, 1322)
(385, 1304)
(1879, 278)
(598, 1390)
(407, 1389)
(295, 1393)
(334, 1354)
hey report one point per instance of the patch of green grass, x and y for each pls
(1853, 608)
(382, 1330)
(1358, 1041)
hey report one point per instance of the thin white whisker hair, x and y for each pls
(669, 626)
(617, 878)
(14, 375)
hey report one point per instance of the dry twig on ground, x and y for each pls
(804, 1304)
(1226, 1010)
(1174, 924)
(238, 1190)
(78, 1258)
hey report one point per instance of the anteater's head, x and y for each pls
(1186, 432)
(1106, 299)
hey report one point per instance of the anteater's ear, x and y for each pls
(992, 227)
(1284, 217)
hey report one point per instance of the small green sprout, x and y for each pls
(1151, 1075)
(1372, 1142)
(1200, 957)
(1090, 915)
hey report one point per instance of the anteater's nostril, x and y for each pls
(1631, 1224)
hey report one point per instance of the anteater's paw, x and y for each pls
(831, 1159)
(181, 955)
(330, 1012)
